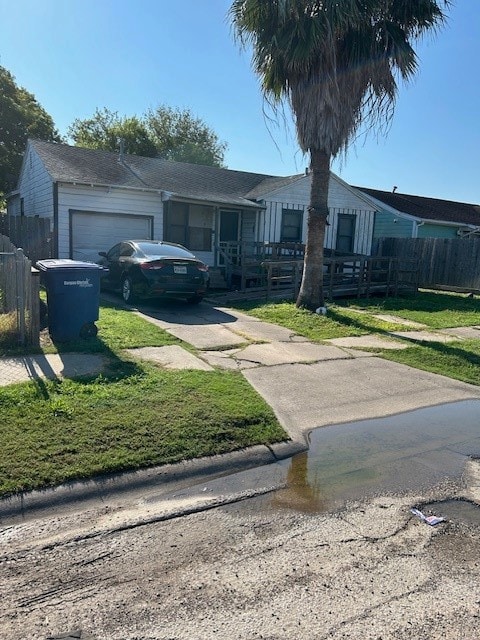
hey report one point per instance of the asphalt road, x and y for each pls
(246, 570)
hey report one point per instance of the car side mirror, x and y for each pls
(103, 254)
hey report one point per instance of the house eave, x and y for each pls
(444, 223)
(79, 183)
(232, 204)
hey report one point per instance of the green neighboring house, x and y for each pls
(399, 215)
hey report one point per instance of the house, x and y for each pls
(405, 216)
(97, 198)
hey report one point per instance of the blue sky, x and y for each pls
(129, 55)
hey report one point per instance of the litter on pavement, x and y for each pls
(431, 520)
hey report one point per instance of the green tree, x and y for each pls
(181, 136)
(21, 117)
(106, 128)
(165, 132)
(336, 63)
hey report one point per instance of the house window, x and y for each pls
(190, 225)
(177, 222)
(345, 233)
(200, 221)
(292, 223)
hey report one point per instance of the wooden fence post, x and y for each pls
(20, 285)
(34, 315)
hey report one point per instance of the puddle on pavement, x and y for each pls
(407, 452)
(462, 511)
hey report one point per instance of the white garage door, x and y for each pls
(93, 232)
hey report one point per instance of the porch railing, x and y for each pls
(345, 276)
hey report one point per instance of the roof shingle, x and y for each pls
(200, 182)
(428, 208)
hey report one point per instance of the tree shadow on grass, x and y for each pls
(423, 302)
(453, 351)
(84, 361)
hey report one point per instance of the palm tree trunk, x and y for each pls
(311, 290)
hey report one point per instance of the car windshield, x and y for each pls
(161, 250)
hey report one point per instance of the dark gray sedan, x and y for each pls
(153, 269)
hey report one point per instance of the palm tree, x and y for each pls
(336, 62)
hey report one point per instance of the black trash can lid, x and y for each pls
(65, 263)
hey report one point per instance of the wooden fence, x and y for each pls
(452, 264)
(31, 234)
(19, 297)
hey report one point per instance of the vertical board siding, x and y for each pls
(442, 262)
(270, 223)
(341, 199)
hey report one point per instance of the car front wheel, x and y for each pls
(127, 290)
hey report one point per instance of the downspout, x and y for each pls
(415, 228)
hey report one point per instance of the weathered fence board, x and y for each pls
(443, 263)
(31, 234)
(19, 296)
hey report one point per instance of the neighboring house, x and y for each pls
(97, 198)
(405, 216)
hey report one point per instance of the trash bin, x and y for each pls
(73, 297)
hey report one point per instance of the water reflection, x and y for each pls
(300, 494)
(409, 451)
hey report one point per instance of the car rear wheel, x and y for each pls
(195, 299)
(127, 290)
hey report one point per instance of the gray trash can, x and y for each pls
(73, 297)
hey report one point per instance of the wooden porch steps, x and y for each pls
(217, 278)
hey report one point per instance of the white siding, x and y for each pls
(341, 199)
(104, 200)
(35, 186)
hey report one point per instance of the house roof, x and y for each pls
(428, 208)
(193, 181)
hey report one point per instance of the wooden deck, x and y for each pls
(249, 276)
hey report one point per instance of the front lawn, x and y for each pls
(133, 415)
(436, 309)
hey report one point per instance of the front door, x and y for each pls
(229, 223)
(345, 233)
(229, 231)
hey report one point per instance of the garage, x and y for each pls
(92, 232)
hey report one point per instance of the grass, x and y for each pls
(458, 360)
(339, 323)
(133, 415)
(437, 310)
(8, 329)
